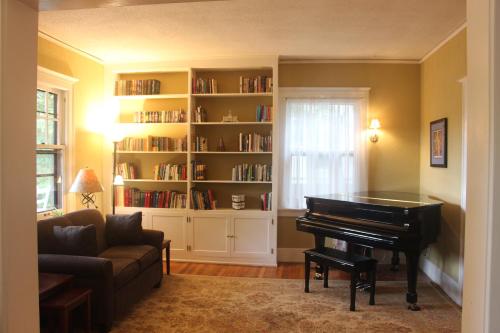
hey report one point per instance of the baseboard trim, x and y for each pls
(446, 282)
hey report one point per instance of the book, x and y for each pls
(204, 86)
(199, 115)
(258, 84)
(198, 170)
(153, 143)
(266, 200)
(254, 142)
(200, 143)
(134, 197)
(137, 87)
(203, 199)
(167, 171)
(126, 170)
(252, 172)
(164, 116)
(263, 113)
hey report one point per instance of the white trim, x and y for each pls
(56, 41)
(324, 92)
(444, 41)
(305, 60)
(55, 79)
(289, 254)
(445, 282)
(463, 186)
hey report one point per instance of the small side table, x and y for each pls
(166, 245)
(63, 303)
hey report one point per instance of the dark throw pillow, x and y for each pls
(76, 240)
(124, 229)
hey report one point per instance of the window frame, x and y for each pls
(63, 85)
(361, 94)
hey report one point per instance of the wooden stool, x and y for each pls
(63, 303)
(344, 261)
(166, 245)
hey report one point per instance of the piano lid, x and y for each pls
(382, 198)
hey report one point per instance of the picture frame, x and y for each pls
(439, 143)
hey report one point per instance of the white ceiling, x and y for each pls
(340, 29)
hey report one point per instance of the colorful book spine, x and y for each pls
(203, 199)
(126, 170)
(198, 170)
(259, 84)
(263, 113)
(137, 87)
(133, 197)
(266, 200)
(204, 86)
(167, 171)
(255, 142)
(165, 116)
(153, 143)
(252, 173)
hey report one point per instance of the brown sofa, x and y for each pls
(118, 276)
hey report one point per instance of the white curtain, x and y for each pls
(323, 149)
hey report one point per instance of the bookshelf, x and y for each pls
(223, 234)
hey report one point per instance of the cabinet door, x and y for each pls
(250, 237)
(174, 228)
(210, 236)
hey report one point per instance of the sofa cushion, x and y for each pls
(145, 255)
(76, 240)
(124, 270)
(124, 229)
(47, 243)
(90, 216)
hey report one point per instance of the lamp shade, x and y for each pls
(86, 182)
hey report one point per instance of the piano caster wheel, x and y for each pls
(413, 307)
(395, 268)
(318, 276)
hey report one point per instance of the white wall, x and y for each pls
(18, 262)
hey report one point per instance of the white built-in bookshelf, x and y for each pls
(246, 236)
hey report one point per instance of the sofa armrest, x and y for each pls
(79, 266)
(153, 238)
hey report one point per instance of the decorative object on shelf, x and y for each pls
(199, 170)
(254, 142)
(266, 200)
(163, 116)
(87, 184)
(199, 115)
(229, 118)
(259, 84)
(203, 199)
(204, 86)
(137, 87)
(374, 128)
(200, 143)
(439, 143)
(263, 113)
(238, 201)
(252, 172)
(220, 144)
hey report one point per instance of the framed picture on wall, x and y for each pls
(439, 143)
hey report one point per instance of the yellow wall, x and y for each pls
(442, 98)
(394, 99)
(87, 103)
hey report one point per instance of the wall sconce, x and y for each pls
(374, 127)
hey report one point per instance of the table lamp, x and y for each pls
(87, 184)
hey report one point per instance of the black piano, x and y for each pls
(394, 221)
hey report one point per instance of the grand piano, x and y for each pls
(394, 221)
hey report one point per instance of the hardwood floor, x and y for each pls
(283, 271)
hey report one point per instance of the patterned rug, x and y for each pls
(189, 303)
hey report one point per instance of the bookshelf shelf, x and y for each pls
(150, 152)
(234, 123)
(153, 181)
(154, 124)
(161, 96)
(266, 94)
(230, 182)
(233, 152)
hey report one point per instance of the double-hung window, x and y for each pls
(322, 150)
(50, 148)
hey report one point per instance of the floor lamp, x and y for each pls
(117, 179)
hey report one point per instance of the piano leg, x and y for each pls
(319, 243)
(395, 261)
(412, 272)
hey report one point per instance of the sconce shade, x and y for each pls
(375, 124)
(86, 182)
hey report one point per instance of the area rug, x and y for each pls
(190, 303)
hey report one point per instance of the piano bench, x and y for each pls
(344, 261)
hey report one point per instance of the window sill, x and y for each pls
(291, 212)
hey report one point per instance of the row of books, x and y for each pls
(257, 84)
(153, 143)
(263, 113)
(133, 197)
(204, 86)
(254, 142)
(266, 200)
(203, 200)
(200, 143)
(164, 116)
(199, 115)
(126, 170)
(137, 87)
(164, 171)
(199, 170)
(251, 172)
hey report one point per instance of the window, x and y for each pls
(322, 144)
(50, 148)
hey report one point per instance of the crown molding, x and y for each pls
(285, 60)
(69, 47)
(443, 42)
